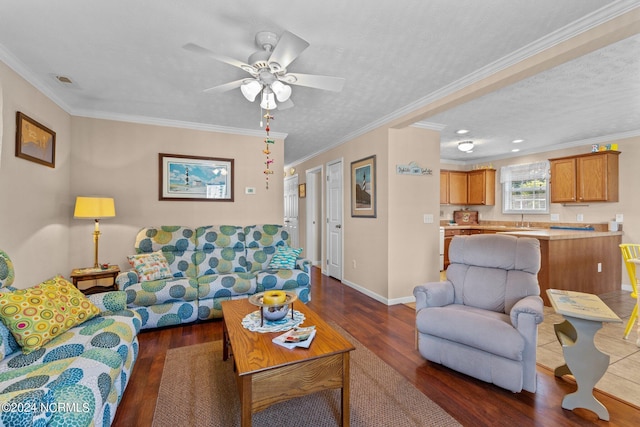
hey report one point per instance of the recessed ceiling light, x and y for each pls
(462, 131)
(517, 141)
(515, 150)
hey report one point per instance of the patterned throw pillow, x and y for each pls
(152, 266)
(285, 258)
(37, 315)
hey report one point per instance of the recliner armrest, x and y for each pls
(109, 301)
(433, 294)
(531, 305)
(303, 264)
(126, 279)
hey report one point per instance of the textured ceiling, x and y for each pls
(126, 62)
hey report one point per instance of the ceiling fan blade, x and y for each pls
(333, 84)
(287, 50)
(191, 47)
(225, 87)
(285, 105)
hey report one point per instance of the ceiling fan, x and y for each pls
(268, 69)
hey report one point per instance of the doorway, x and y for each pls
(291, 209)
(314, 215)
(334, 219)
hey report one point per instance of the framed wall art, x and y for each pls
(35, 142)
(363, 188)
(195, 178)
(302, 191)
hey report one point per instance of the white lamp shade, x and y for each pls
(251, 89)
(282, 91)
(94, 207)
(268, 100)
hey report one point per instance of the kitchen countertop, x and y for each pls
(538, 233)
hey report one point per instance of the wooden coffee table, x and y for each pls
(267, 373)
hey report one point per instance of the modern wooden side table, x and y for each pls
(95, 274)
(584, 315)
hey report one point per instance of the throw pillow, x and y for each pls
(285, 258)
(151, 266)
(37, 315)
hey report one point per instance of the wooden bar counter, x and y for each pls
(576, 260)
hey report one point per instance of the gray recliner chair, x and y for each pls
(483, 320)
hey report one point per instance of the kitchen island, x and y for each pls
(576, 260)
(573, 260)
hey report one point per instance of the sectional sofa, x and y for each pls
(76, 378)
(189, 271)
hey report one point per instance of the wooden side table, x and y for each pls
(584, 315)
(95, 274)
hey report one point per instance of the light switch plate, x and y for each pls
(428, 218)
(249, 190)
(555, 217)
(619, 218)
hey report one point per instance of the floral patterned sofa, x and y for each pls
(79, 376)
(208, 265)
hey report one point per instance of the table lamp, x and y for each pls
(95, 208)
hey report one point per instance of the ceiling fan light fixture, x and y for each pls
(281, 90)
(465, 146)
(251, 89)
(268, 100)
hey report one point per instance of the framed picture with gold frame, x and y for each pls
(34, 141)
(302, 191)
(363, 188)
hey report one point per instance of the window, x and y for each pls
(525, 188)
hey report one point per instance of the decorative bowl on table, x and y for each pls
(274, 305)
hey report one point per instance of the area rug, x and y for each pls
(198, 389)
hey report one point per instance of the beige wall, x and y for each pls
(35, 201)
(120, 160)
(117, 159)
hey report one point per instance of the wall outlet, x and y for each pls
(599, 267)
(619, 218)
(428, 218)
(555, 217)
(579, 217)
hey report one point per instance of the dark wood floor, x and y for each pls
(388, 332)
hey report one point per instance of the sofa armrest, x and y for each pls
(433, 294)
(303, 264)
(531, 305)
(109, 301)
(126, 279)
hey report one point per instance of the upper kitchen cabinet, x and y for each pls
(589, 177)
(481, 187)
(444, 187)
(467, 188)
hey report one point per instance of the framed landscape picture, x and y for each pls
(35, 142)
(195, 178)
(363, 188)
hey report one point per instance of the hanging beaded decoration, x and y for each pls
(267, 141)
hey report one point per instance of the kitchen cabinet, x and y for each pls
(444, 187)
(589, 177)
(467, 188)
(481, 187)
(457, 188)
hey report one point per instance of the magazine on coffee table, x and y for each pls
(296, 337)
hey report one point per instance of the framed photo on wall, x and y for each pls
(363, 188)
(195, 178)
(302, 191)
(35, 142)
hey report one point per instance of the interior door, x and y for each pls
(334, 219)
(291, 209)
